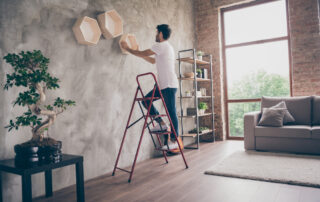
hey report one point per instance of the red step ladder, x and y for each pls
(146, 125)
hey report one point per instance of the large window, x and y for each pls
(256, 58)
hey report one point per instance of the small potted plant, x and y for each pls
(199, 73)
(188, 93)
(202, 106)
(30, 71)
(200, 54)
(201, 129)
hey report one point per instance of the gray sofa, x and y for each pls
(300, 136)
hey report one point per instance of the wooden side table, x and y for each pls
(9, 166)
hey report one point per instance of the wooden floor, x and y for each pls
(155, 181)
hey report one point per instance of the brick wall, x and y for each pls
(305, 48)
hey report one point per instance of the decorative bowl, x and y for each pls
(188, 75)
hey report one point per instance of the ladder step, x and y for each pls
(146, 98)
(123, 170)
(159, 115)
(160, 149)
(161, 133)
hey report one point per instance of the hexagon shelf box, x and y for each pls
(110, 23)
(131, 40)
(87, 31)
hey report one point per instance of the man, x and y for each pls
(167, 78)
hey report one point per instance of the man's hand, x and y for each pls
(124, 45)
(137, 52)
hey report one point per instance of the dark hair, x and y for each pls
(165, 29)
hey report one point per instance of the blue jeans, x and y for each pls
(169, 96)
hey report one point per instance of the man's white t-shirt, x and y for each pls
(164, 55)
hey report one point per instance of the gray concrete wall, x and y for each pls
(99, 78)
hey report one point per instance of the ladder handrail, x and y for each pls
(145, 74)
(139, 86)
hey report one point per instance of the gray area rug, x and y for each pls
(303, 170)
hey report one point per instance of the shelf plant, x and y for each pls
(30, 74)
(200, 54)
(199, 72)
(202, 106)
(188, 93)
(201, 129)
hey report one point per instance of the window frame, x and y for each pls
(224, 47)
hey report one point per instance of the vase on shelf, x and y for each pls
(201, 111)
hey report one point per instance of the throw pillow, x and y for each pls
(272, 117)
(287, 116)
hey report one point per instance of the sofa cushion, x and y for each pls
(315, 132)
(294, 131)
(287, 116)
(299, 107)
(272, 117)
(316, 110)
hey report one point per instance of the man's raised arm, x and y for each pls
(143, 54)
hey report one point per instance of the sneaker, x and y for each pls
(159, 128)
(171, 146)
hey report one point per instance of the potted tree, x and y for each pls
(30, 70)
(202, 106)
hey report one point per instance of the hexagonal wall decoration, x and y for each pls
(131, 40)
(87, 31)
(110, 23)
